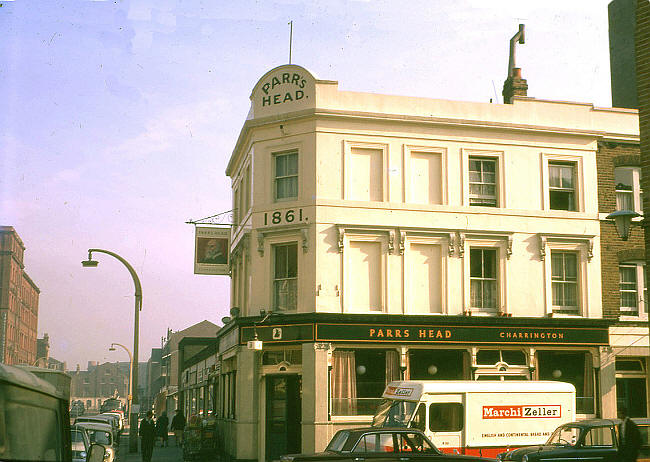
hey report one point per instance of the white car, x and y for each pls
(80, 443)
(101, 433)
(105, 419)
(118, 417)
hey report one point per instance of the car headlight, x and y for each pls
(82, 454)
(108, 453)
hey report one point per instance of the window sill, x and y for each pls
(556, 314)
(352, 418)
(625, 317)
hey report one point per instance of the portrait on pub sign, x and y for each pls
(212, 250)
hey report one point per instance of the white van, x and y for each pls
(475, 417)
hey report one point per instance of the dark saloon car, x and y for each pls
(380, 444)
(591, 439)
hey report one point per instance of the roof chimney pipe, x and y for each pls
(514, 84)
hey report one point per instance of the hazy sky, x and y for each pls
(118, 119)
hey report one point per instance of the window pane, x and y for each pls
(624, 200)
(489, 294)
(570, 266)
(514, 357)
(489, 264)
(475, 263)
(447, 417)
(292, 164)
(561, 200)
(567, 177)
(623, 177)
(292, 261)
(554, 176)
(557, 265)
(488, 357)
(475, 293)
(280, 165)
(281, 261)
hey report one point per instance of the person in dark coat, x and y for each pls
(178, 425)
(147, 434)
(630, 438)
(162, 428)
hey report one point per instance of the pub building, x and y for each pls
(378, 238)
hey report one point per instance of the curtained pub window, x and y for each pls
(359, 377)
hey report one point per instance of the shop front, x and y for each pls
(318, 373)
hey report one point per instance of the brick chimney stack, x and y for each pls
(514, 86)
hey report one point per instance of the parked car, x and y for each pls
(101, 418)
(110, 404)
(101, 433)
(77, 408)
(381, 444)
(80, 444)
(591, 439)
(119, 417)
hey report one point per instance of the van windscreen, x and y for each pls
(393, 413)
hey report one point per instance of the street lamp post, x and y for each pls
(133, 416)
(623, 220)
(130, 397)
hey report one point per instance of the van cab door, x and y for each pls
(446, 422)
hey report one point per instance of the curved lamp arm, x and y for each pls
(136, 280)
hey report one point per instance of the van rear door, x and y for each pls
(446, 421)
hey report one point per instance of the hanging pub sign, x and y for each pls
(211, 250)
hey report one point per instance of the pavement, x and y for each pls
(169, 453)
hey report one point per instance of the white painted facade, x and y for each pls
(359, 210)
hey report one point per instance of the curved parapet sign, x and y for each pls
(284, 89)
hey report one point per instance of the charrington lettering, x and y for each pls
(530, 335)
(286, 78)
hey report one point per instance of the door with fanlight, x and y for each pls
(283, 415)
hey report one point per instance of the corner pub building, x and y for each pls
(380, 237)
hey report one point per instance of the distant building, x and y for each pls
(167, 397)
(99, 382)
(199, 378)
(154, 380)
(43, 358)
(621, 53)
(18, 302)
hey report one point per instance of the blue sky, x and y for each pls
(119, 117)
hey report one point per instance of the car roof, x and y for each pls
(593, 422)
(95, 426)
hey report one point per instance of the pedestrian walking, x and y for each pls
(147, 434)
(162, 428)
(630, 438)
(178, 426)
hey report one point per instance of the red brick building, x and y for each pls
(18, 302)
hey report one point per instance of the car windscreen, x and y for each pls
(565, 435)
(100, 436)
(76, 436)
(392, 413)
(338, 441)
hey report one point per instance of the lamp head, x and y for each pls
(89, 263)
(112, 348)
(623, 221)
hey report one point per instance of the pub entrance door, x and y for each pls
(283, 415)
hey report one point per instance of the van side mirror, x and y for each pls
(96, 453)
